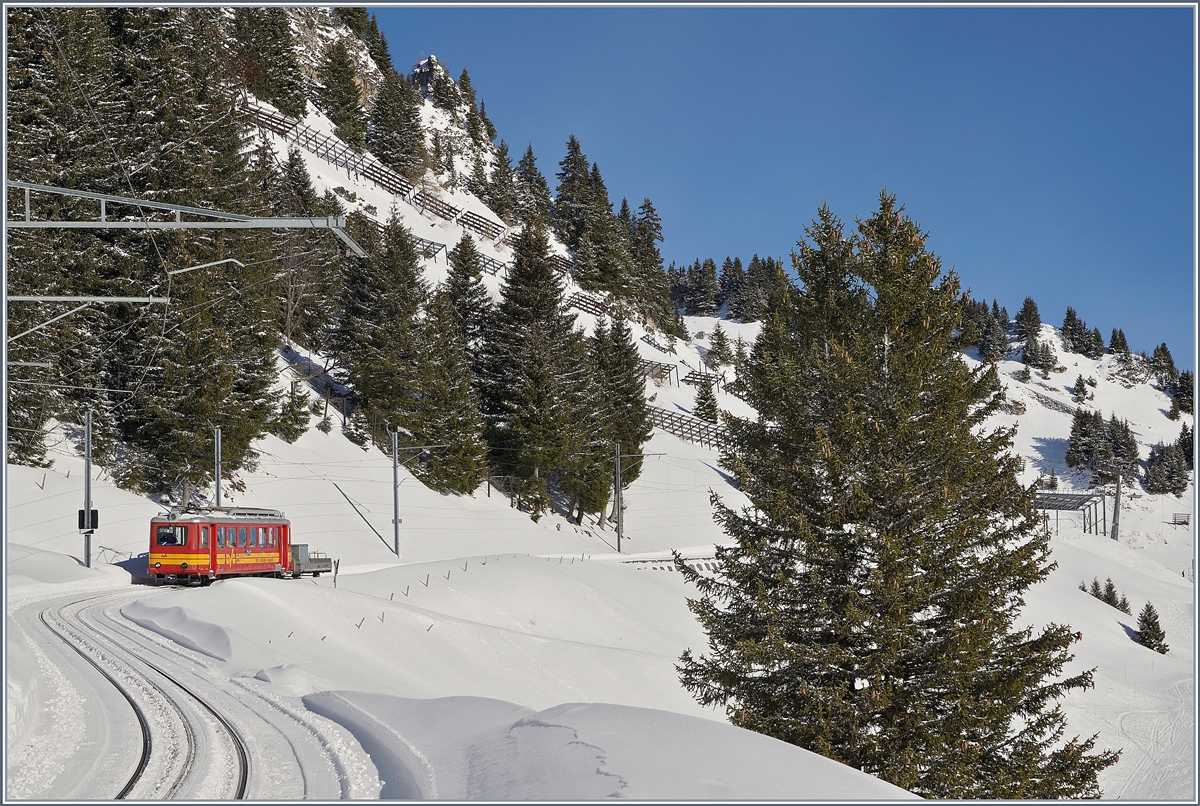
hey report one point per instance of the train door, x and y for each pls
(224, 549)
(206, 545)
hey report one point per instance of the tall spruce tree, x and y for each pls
(1118, 345)
(535, 371)
(264, 36)
(377, 46)
(340, 95)
(705, 288)
(1150, 632)
(705, 407)
(501, 191)
(868, 606)
(1029, 322)
(376, 342)
(532, 193)
(396, 136)
(573, 199)
(469, 299)
(446, 409)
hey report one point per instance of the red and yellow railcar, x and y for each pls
(198, 546)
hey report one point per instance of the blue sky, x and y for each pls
(1048, 152)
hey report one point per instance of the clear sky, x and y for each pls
(1048, 152)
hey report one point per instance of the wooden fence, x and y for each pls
(654, 343)
(686, 427)
(658, 370)
(424, 200)
(561, 264)
(588, 304)
(695, 378)
(488, 264)
(426, 247)
(485, 227)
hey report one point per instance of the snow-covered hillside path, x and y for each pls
(89, 745)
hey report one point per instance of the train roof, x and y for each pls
(223, 513)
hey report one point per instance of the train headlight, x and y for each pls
(158, 565)
(183, 566)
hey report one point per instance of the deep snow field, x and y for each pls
(535, 651)
(498, 658)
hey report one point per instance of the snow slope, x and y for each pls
(501, 658)
(546, 644)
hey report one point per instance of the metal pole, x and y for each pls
(1117, 508)
(87, 489)
(217, 462)
(617, 497)
(395, 489)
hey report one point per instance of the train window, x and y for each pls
(262, 536)
(220, 537)
(241, 536)
(272, 535)
(203, 537)
(171, 536)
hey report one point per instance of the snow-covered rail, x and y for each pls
(174, 760)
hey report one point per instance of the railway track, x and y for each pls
(167, 767)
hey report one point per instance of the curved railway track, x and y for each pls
(129, 666)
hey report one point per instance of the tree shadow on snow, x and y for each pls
(1052, 454)
(1133, 634)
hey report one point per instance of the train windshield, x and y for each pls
(171, 536)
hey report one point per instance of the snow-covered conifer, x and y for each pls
(888, 541)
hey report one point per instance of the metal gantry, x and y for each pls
(222, 220)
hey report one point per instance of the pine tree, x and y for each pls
(1186, 445)
(377, 46)
(354, 18)
(263, 35)
(1029, 322)
(1150, 633)
(993, 342)
(292, 421)
(1081, 390)
(1124, 447)
(340, 96)
(532, 194)
(535, 366)
(625, 397)
(1095, 345)
(1184, 391)
(705, 289)
(1109, 596)
(705, 407)
(501, 191)
(306, 274)
(445, 93)
(446, 410)
(478, 182)
(396, 136)
(733, 277)
(469, 299)
(1071, 328)
(376, 342)
(572, 200)
(1089, 447)
(1163, 366)
(651, 284)
(718, 351)
(1117, 344)
(867, 608)
(488, 127)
